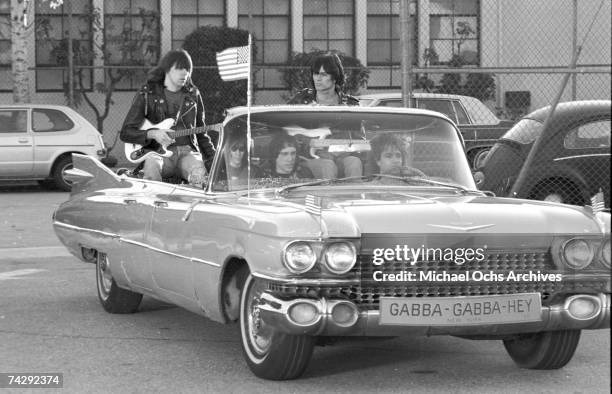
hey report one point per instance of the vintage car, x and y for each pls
(411, 247)
(479, 126)
(572, 161)
(37, 141)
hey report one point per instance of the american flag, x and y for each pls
(234, 63)
(313, 204)
(597, 202)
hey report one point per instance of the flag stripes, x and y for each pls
(234, 63)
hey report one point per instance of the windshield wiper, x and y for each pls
(418, 179)
(406, 179)
(318, 182)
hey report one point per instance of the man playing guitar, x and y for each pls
(169, 94)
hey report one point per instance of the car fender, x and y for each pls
(558, 172)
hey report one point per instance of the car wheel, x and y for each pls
(59, 173)
(113, 298)
(269, 353)
(543, 350)
(559, 192)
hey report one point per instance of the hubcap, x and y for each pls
(260, 334)
(105, 279)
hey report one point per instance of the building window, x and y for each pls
(384, 51)
(6, 84)
(188, 15)
(268, 22)
(51, 45)
(328, 25)
(132, 39)
(454, 31)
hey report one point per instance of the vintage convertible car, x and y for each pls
(411, 248)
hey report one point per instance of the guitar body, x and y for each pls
(136, 153)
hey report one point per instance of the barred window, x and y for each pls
(132, 38)
(384, 43)
(53, 49)
(6, 84)
(268, 21)
(328, 25)
(454, 30)
(188, 15)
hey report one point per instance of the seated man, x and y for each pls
(284, 163)
(389, 156)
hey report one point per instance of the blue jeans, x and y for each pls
(346, 166)
(184, 161)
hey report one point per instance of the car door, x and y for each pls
(16, 144)
(170, 241)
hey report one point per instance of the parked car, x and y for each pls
(573, 158)
(479, 126)
(37, 140)
(409, 248)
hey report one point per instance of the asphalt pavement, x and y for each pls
(51, 321)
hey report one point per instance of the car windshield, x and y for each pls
(524, 132)
(293, 147)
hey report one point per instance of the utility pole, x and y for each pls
(68, 6)
(407, 7)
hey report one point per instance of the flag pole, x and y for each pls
(249, 141)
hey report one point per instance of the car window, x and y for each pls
(46, 120)
(14, 121)
(391, 103)
(462, 117)
(524, 132)
(590, 135)
(443, 106)
(479, 113)
(365, 102)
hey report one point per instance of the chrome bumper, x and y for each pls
(275, 312)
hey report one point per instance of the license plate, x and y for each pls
(454, 311)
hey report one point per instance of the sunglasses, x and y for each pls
(240, 148)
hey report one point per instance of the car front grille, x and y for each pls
(366, 292)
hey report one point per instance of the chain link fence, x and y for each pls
(485, 64)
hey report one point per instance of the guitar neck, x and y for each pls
(195, 130)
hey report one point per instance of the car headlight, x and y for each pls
(299, 257)
(605, 253)
(577, 253)
(340, 257)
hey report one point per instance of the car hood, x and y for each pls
(402, 213)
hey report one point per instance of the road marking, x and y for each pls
(16, 274)
(34, 252)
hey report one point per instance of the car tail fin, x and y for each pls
(90, 174)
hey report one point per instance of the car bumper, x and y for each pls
(277, 313)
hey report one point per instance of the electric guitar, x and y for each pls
(136, 153)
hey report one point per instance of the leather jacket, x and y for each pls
(150, 103)
(309, 96)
